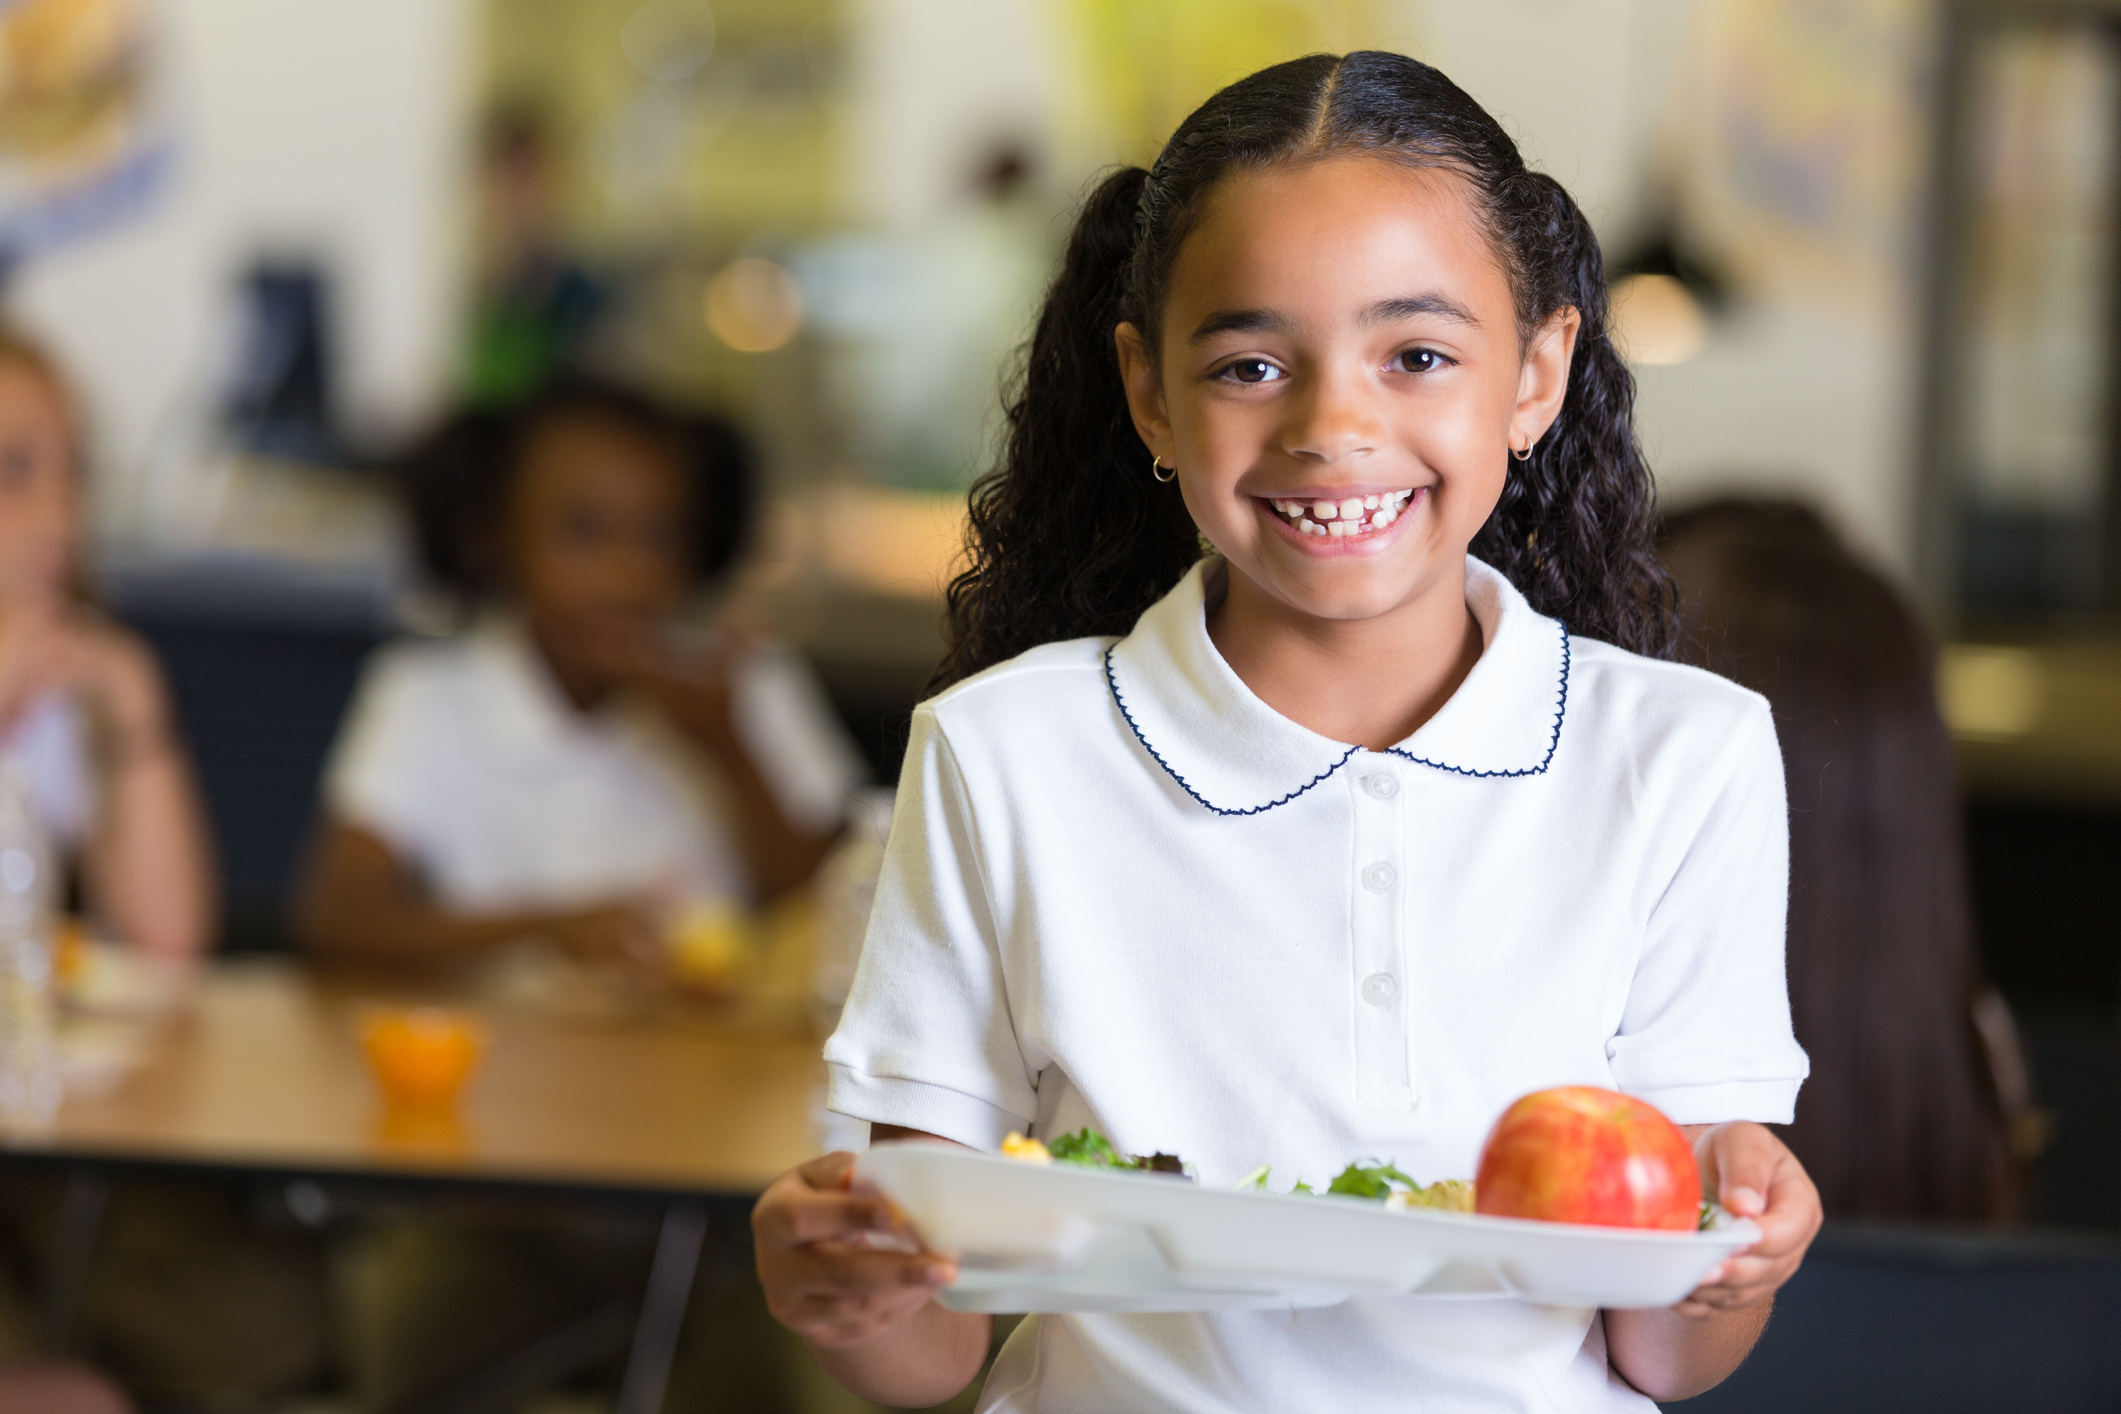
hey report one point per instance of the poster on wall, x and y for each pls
(84, 135)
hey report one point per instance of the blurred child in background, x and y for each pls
(1917, 1082)
(579, 763)
(191, 1306)
(567, 772)
(83, 712)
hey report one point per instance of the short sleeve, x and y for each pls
(1705, 1033)
(926, 1039)
(382, 772)
(795, 738)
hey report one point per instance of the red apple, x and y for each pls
(1578, 1154)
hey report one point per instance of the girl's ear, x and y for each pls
(1544, 380)
(1145, 393)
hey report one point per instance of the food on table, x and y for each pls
(1579, 1154)
(710, 945)
(422, 1056)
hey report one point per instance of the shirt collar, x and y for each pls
(1238, 756)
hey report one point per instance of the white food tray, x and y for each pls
(1031, 1237)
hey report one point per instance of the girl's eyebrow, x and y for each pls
(1392, 310)
(1388, 311)
(1239, 321)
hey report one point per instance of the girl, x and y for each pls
(1333, 842)
(1919, 1089)
(554, 773)
(563, 773)
(84, 715)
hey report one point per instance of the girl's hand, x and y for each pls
(626, 936)
(45, 650)
(1754, 1175)
(840, 1268)
(694, 688)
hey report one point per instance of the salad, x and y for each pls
(1382, 1183)
(1376, 1182)
(1086, 1148)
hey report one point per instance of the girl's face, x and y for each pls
(594, 544)
(1340, 381)
(39, 511)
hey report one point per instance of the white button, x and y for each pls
(1379, 877)
(1379, 988)
(1382, 784)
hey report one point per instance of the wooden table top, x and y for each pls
(264, 1072)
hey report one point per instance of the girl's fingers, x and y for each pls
(835, 1270)
(834, 1171)
(821, 1217)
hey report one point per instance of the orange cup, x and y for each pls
(422, 1056)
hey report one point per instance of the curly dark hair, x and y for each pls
(454, 481)
(1069, 535)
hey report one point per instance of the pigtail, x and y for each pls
(1575, 527)
(1070, 535)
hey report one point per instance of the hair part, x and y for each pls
(1069, 537)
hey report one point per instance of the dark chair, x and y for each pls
(261, 666)
(1882, 1320)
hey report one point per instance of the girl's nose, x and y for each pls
(1335, 420)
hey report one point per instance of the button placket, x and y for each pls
(1377, 986)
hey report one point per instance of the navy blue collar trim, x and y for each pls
(1561, 711)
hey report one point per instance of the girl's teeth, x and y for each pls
(1357, 515)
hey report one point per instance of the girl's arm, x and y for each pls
(358, 901)
(1677, 1354)
(147, 866)
(867, 1311)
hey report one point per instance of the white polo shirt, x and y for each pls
(1121, 891)
(465, 757)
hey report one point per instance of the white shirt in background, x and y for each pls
(48, 744)
(464, 756)
(1121, 891)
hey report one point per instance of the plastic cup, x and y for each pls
(421, 1056)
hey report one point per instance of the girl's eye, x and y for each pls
(1419, 361)
(1252, 370)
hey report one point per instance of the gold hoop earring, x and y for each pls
(1156, 466)
(1526, 454)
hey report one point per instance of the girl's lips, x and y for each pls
(1360, 536)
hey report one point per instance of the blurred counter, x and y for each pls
(2036, 722)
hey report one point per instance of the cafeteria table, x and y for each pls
(260, 1077)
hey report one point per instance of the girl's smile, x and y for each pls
(1356, 518)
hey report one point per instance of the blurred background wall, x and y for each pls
(334, 131)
